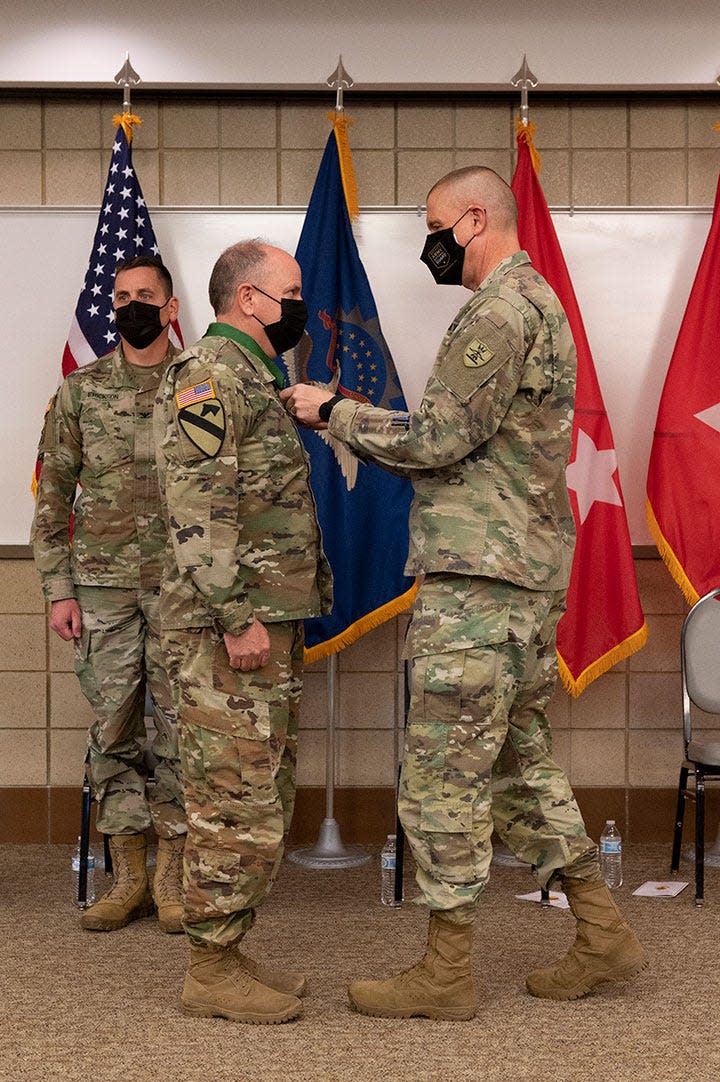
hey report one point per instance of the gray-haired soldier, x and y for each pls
(246, 567)
(98, 464)
(492, 533)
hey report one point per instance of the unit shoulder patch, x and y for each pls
(203, 422)
(477, 353)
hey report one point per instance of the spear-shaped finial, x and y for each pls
(524, 79)
(339, 81)
(127, 77)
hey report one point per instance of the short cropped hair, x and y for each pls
(148, 261)
(477, 183)
(242, 262)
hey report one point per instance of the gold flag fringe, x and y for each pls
(527, 131)
(576, 685)
(126, 121)
(669, 558)
(360, 627)
(340, 124)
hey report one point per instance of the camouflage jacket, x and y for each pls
(488, 446)
(234, 478)
(98, 436)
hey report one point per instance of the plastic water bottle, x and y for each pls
(75, 866)
(611, 855)
(387, 872)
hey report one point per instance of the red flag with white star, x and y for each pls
(683, 484)
(604, 621)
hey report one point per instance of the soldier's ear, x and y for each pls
(245, 297)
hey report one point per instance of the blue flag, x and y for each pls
(363, 510)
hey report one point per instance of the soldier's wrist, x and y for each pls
(326, 408)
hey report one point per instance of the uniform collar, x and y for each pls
(226, 330)
(505, 265)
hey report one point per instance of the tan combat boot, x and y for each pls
(605, 948)
(129, 897)
(281, 980)
(440, 986)
(167, 888)
(217, 985)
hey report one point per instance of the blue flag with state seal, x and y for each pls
(363, 510)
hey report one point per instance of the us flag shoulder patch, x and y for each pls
(198, 393)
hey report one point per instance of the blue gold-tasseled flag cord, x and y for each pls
(341, 123)
(576, 685)
(667, 554)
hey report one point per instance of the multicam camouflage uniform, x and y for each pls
(98, 435)
(491, 529)
(245, 545)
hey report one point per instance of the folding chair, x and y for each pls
(700, 672)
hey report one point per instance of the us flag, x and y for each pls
(123, 231)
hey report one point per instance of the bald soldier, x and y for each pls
(244, 569)
(98, 464)
(492, 533)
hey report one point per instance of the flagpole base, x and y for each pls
(329, 851)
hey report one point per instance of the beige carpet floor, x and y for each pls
(104, 1007)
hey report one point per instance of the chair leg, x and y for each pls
(679, 817)
(107, 856)
(699, 836)
(84, 844)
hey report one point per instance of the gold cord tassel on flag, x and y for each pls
(527, 132)
(126, 121)
(668, 556)
(340, 124)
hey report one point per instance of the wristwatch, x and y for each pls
(326, 408)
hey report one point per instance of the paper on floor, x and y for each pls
(557, 898)
(658, 888)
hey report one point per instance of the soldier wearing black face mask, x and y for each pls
(244, 568)
(99, 464)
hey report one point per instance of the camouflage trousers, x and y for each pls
(238, 744)
(478, 743)
(116, 657)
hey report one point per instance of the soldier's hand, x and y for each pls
(302, 401)
(248, 651)
(66, 618)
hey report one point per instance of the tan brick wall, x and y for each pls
(625, 730)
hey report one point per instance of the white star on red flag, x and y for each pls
(710, 416)
(590, 475)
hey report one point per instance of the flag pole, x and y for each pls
(329, 850)
(524, 80)
(127, 77)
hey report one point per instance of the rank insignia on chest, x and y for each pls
(477, 354)
(204, 424)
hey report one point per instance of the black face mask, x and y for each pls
(287, 331)
(139, 323)
(443, 256)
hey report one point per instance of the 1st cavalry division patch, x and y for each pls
(204, 423)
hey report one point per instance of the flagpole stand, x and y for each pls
(329, 850)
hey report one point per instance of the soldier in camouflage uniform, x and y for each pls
(491, 531)
(103, 589)
(245, 568)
